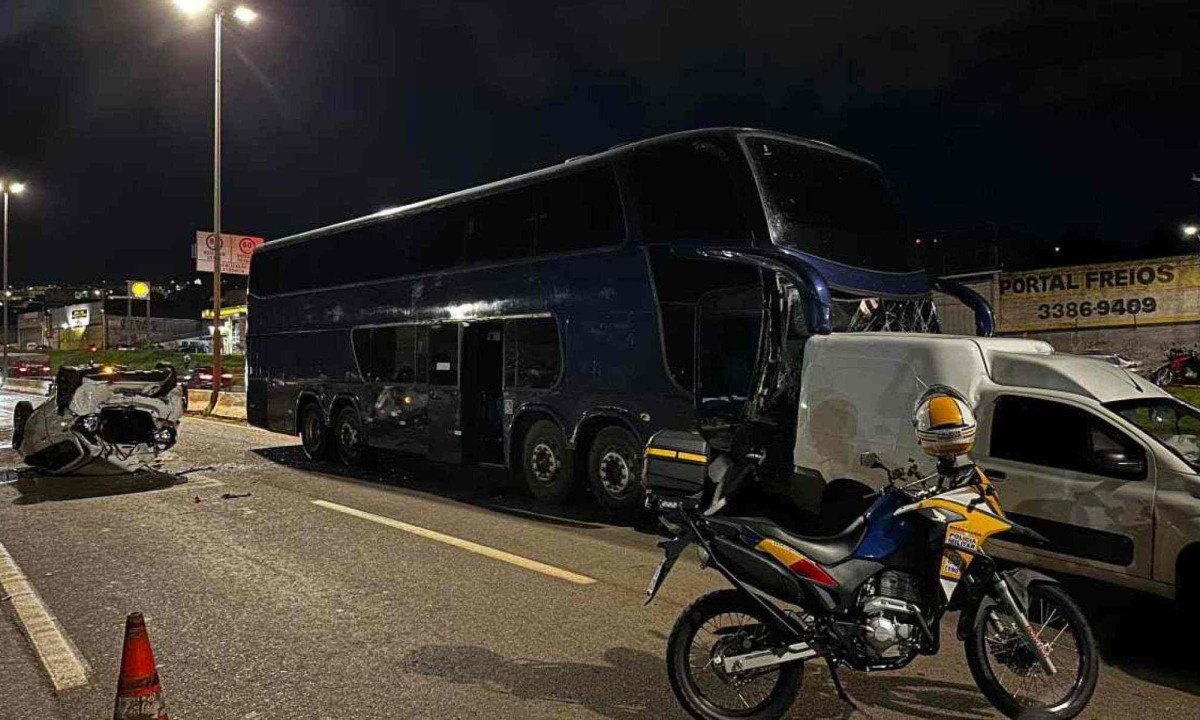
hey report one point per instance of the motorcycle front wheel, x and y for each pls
(1007, 669)
(723, 623)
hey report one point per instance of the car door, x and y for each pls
(1074, 476)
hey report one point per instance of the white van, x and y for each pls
(1098, 460)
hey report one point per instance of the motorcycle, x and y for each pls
(1181, 368)
(870, 598)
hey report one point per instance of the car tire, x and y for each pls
(315, 436)
(614, 469)
(546, 463)
(350, 437)
(21, 414)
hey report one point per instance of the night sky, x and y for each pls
(1039, 117)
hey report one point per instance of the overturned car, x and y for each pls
(100, 420)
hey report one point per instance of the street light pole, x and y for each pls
(5, 285)
(218, 17)
(245, 16)
(15, 188)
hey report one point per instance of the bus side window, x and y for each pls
(500, 227)
(443, 355)
(689, 191)
(579, 212)
(437, 238)
(531, 353)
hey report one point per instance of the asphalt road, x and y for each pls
(265, 604)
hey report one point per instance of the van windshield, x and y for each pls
(830, 205)
(1173, 424)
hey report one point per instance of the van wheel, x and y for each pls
(315, 435)
(615, 469)
(351, 437)
(21, 414)
(546, 462)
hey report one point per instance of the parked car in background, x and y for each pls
(1115, 358)
(201, 378)
(29, 368)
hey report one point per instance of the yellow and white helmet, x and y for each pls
(945, 423)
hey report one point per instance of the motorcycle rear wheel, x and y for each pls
(729, 618)
(1008, 673)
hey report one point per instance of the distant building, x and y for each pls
(100, 324)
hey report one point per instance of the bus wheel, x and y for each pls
(615, 469)
(351, 436)
(316, 438)
(546, 462)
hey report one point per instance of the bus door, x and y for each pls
(482, 389)
(443, 408)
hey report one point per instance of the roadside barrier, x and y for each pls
(230, 403)
(139, 693)
(28, 385)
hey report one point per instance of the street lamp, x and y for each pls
(1190, 231)
(15, 188)
(245, 16)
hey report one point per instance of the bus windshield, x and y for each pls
(830, 205)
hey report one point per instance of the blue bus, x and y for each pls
(551, 322)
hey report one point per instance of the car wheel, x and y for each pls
(315, 435)
(546, 462)
(615, 469)
(21, 414)
(351, 437)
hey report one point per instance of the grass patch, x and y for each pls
(142, 359)
(1190, 395)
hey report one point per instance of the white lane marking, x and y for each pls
(57, 654)
(467, 545)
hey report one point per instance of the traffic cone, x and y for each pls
(139, 694)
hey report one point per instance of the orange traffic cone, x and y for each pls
(139, 694)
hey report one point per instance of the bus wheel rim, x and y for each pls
(615, 474)
(543, 462)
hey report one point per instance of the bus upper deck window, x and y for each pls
(689, 191)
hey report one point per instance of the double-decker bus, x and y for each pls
(553, 321)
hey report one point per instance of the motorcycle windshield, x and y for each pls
(1173, 424)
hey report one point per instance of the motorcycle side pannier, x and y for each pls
(676, 466)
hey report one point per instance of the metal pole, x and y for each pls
(216, 349)
(5, 285)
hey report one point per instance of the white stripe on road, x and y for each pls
(467, 545)
(56, 653)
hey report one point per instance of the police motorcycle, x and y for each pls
(870, 598)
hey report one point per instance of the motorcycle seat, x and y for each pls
(827, 550)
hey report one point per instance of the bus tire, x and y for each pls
(315, 436)
(614, 469)
(546, 462)
(350, 437)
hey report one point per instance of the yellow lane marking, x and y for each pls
(467, 545)
(54, 650)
